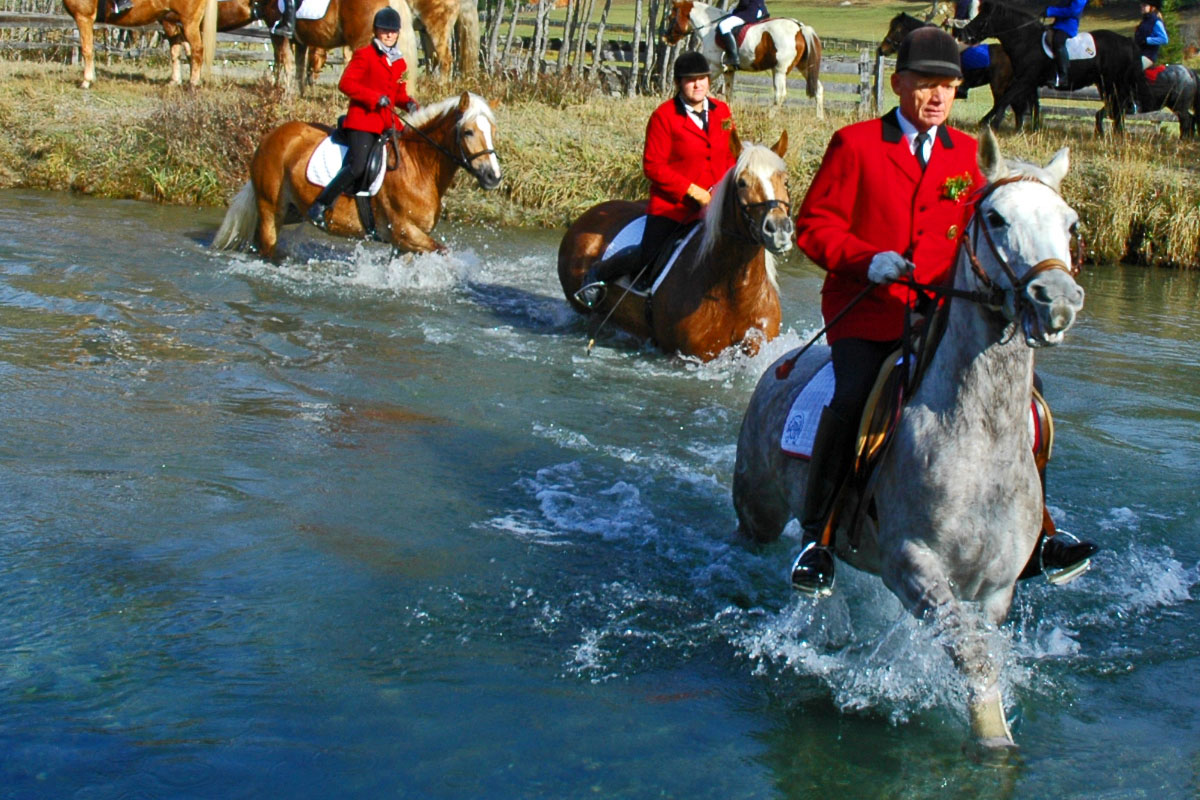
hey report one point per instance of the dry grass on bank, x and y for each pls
(134, 137)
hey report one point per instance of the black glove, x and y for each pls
(384, 101)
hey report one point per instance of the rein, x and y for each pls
(991, 297)
(462, 159)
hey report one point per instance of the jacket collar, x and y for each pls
(893, 134)
(682, 111)
(899, 152)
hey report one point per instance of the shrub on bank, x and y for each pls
(562, 147)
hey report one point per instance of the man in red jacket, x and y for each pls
(374, 82)
(686, 154)
(878, 209)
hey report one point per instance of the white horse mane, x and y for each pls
(441, 108)
(760, 161)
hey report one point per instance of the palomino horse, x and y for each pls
(180, 20)
(440, 138)
(445, 20)
(997, 75)
(722, 285)
(956, 493)
(777, 44)
(346, 23)
(1115, 69)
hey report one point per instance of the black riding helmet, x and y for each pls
(691, 64)
(387, 19)
(930, 51)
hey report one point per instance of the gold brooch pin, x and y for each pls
(952, 232)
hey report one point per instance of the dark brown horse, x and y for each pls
(440, 138)
(722, 284)
(346, 23)
(997, 75)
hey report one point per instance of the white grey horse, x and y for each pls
(958, 499)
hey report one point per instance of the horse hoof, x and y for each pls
(85, 85)
(996, 752)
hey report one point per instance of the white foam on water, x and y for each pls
(369, 267)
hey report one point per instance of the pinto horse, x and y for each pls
(346, 23)
(1116, 69)
(777, 44)
(180, 20)
(997, 75)
(439, 138)
(953, 510)
(722, 284)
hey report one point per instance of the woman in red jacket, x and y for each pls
(686, 154)
(374, 82)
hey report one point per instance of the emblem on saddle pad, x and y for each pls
(1080, 46)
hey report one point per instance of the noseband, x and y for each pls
(462, 158)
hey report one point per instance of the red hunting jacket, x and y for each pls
(678, 154)
(368, 77)
(869, 195)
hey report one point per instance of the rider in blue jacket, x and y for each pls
(1066, 25)
(1151, 33)
(746, 11)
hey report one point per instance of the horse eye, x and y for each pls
(995, 219)
(1074, 230)
(741, 183)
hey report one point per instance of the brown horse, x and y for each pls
(442, 21)
(722, 284)
(777, 44)
(440, 138)
(346, 23)
(180, 20)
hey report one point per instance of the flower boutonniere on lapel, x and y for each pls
(956, 187)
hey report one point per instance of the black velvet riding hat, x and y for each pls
(691, 64)
(387, 19)
(930, 51)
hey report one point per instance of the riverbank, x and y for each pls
(131, 137)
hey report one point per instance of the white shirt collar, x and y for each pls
(697, 115)
(910, 134)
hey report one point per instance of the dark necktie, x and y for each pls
(919, 150)
(702, 118)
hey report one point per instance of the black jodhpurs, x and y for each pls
(355, 164)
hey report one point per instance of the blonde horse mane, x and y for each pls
(759, 160)
(426, 114)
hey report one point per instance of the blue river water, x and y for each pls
(359, 527)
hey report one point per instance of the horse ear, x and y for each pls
(1057, 168)
(991, 163)
(735, 143)
(780, 147)
(464, 102)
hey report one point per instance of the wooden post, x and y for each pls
(877, 101)
(638, 11)
(864, 82)
(208, 35)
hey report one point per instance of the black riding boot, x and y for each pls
(287, 25)
(731, 50)
(595, 282)
(1060, 555)
(340, 183)
(1062, 65)
(812, 572)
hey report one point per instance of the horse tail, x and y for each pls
(1195, 92)
(812, 75)
(241, 220)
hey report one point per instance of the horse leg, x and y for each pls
(268, 227)
(916, 577)
(758, 498)
(728, 84)
(779, 78)
(176, 61)
(191, 34)
(1100, 122)
(87, 47)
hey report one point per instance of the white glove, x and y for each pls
(887, 266)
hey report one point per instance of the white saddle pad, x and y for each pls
(327, 159)
(631, 235)
(309, 9)
(801, 426)
(1079, 46)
